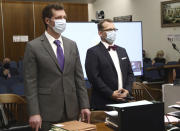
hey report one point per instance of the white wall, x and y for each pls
(147, 11)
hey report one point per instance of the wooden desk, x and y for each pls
(102, 127)
(168, 71)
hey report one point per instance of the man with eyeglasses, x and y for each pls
(108, 69)
(53, 77)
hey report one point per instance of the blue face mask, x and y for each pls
(60, 25)
(111, 36)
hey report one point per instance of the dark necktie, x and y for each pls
(112, 47)
(60, 55)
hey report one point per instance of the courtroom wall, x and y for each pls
(147, 11)
(19, 18)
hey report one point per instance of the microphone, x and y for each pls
(142, 85)
(174, 46)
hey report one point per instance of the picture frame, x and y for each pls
(170, 13)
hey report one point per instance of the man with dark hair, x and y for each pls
(53, 77)
(108, 69)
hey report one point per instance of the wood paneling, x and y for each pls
(18, 20)
(76, 12)
(1, 35)
(39, 25)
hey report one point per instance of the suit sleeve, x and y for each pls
(30, 80)
(130, 76)
(93, 74)
(80, 83)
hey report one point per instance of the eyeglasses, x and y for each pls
(115, 29)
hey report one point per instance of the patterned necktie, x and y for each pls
(60, 55)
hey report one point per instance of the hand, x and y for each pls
(178, 102)
(85, 115)
(116, 94)
(35, 122)
(153, 62)
(5, 72)
(120, 94)
(124, 93)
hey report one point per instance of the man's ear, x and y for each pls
(100, 33)
(47, 21)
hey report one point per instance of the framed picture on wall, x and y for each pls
(170, 13)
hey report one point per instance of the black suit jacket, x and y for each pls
(102, 74)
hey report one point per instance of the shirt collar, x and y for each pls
(106, 44)
(52, 39)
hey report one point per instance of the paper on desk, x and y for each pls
(58, 125)
(112, 113)
(129, 104)
(174, 106)
(170, 119)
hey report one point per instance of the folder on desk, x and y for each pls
(74, 126)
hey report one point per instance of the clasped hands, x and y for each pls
(120, 94)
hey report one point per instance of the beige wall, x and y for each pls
(147, 11)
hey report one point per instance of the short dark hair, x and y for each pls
(100, 24)
(47, 11)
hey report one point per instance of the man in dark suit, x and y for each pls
(54, 81)
(108, 69)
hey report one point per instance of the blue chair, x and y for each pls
(20, 71)
(153, 75)
(158, 74)
(161, 71)
(172, 63)
(3, 87)
(146, 73)
(13, 64)
(18, 88)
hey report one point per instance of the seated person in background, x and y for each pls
(159, 57)
(146, 59)
(176, 73)
(6, 68)
(108, 69)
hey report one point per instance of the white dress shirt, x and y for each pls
(53, 45)
(115, 59)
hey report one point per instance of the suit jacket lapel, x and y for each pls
(119, 53)
(49, 49)
(107, 55)
(66, 52)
